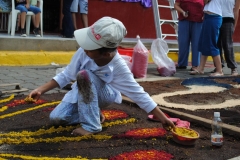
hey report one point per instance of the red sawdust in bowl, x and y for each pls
(185, 136)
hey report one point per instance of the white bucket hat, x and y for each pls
(106, 32)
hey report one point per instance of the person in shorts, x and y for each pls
(24, 6)
(83, 6)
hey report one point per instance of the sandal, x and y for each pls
(196, 72)
(216, 74)
(193, 68)
(234, 72)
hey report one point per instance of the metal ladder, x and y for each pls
(159, 22)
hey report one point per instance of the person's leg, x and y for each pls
(23, 11)
(74, 10)
(83, 5)
(93, 95)
(195, 34)
(183, 42)
(67, 23)
(33, 19)
(74, 20)
(200, 68)
(23, 20)
(203, 61)
(219, 44)
(215, 24)
(37, 13)
(218, 65)
(84, 20)
(227, 43)
(65, 114)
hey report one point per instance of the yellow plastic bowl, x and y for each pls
(185, 136)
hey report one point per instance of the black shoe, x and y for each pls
(181, 67)
(36, 32)
(23, 33)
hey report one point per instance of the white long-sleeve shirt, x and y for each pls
(116, 73)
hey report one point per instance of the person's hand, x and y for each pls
(27, 6)
(185, 14)
(168, 124)
(35, 94)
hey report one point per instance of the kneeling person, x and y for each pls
(101, 76)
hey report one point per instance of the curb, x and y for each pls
(42, 58)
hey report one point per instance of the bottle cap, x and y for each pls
(216, 114)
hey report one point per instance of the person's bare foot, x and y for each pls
(80, 131)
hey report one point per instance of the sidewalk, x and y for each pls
(31, 77)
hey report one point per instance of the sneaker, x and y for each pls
(23, 33)
(36, 32)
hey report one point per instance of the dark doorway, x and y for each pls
(51, 16)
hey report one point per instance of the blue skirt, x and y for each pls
(209, 35)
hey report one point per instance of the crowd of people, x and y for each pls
(208, 26)
(69, 10)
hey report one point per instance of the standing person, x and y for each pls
(24, 6)
(101, 75)
(67, 22)
(83, 5)
(225, 40)
(189, 29)
(209, 37)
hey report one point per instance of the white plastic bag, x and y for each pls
(166, 66)
(140, 60)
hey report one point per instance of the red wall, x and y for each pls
(137, 19)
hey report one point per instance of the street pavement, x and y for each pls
(31, 77)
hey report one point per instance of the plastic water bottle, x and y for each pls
(217, 136)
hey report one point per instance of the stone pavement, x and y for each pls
(31, 77)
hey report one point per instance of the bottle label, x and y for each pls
(217, 139)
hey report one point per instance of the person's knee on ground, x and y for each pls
(57, 119)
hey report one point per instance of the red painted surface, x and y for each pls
(137, 19)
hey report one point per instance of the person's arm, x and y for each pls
(27, 4)
(38, 3)
(167, 123)
(179, 9)
(36, 93)
(236, 12)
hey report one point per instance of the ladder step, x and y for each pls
(170, 21)
(173, 49)
(162, 6)
(170, 35)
